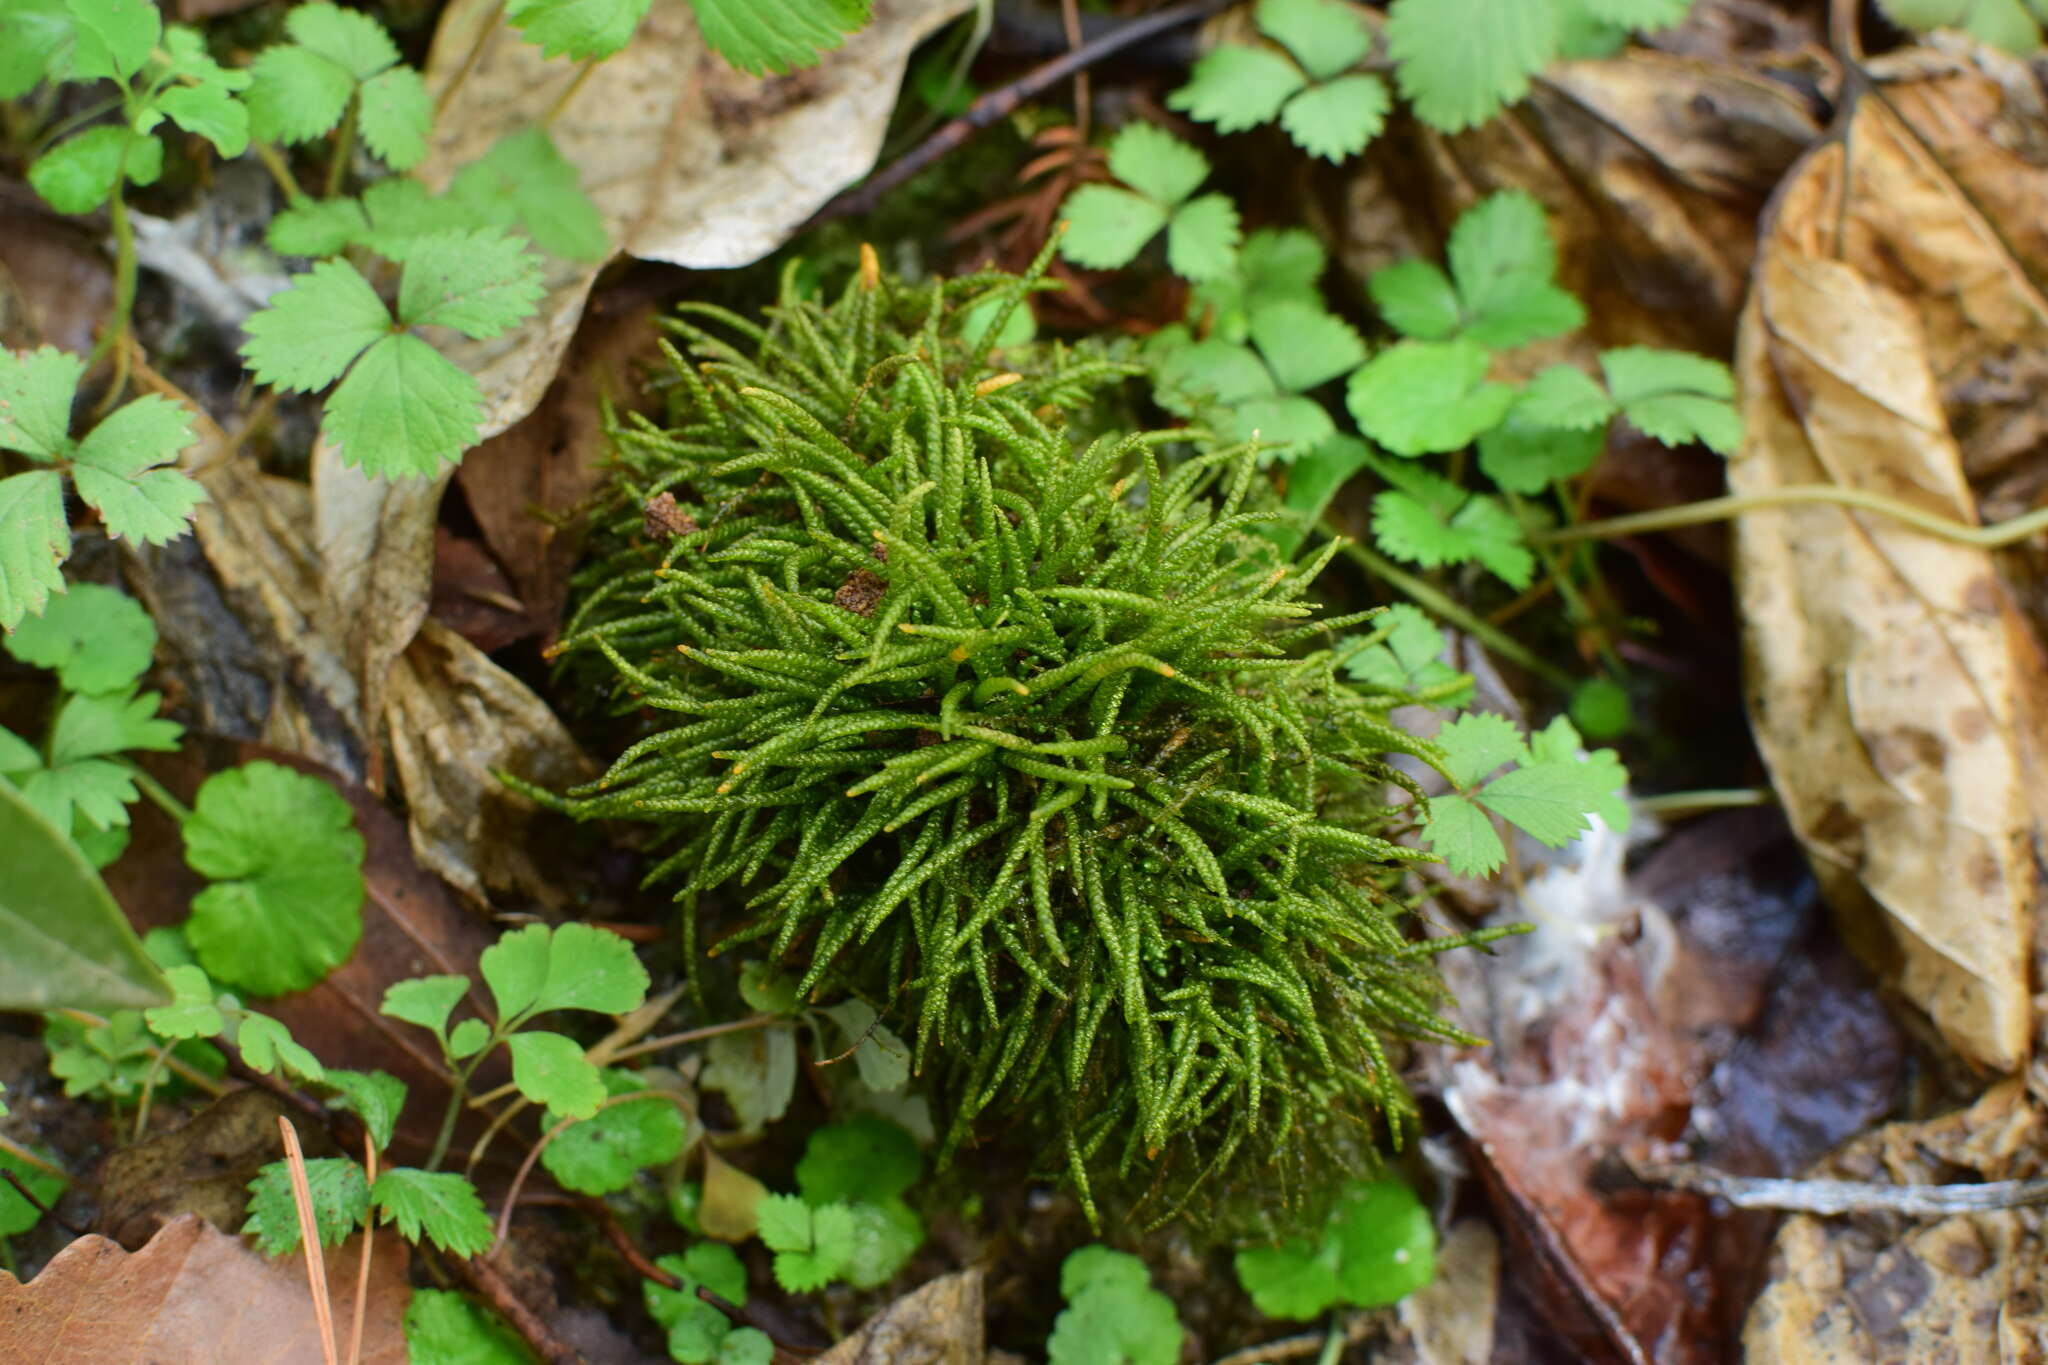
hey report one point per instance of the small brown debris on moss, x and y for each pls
(861, 590)
(664, 520)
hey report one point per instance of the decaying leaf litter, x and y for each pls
(1840, 984)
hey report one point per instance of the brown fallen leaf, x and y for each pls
(1882, 1289)
(938, 1323)
(1893, 684)
(195, 1296)
(1450, 1320)
(688, 160)
(203, 1166)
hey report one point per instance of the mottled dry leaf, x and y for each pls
(195, 1296)
(689, 161)
(1450, 1320)
(1892, 680)
(1878, 1289)
(938, 1323)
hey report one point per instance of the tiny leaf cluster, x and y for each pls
(1017, 725)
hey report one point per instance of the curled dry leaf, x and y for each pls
(688, 160)
(1879, 1287)
(1893, 683)
(195, 1296)
(938, 1323)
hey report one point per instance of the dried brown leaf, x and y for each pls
(195, 1296)
(938, 1323)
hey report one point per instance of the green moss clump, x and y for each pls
(1017, 729)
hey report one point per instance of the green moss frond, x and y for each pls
(1016, 726)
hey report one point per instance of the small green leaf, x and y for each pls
(34, 36)
(313, 330)
(317, 227)
(194, 1015)
(1600, 708)
(285, 860)
(1113, 1316)
(604, 1152)
(812, 1246)
(118, 471)
(582, 29)
(1338, 119)
(1525, 458)
(1675, 397)
(551, 1070)
(1647, 15)
(341, 1201)
(1502, 256)
(1305, 345)
(404, 410)
(524, 180)
(297, 94)
(886, 1233)
(80, 173)
(1195, 375)
(96, 639)
(376, 1097)
(1287, 1281)
(438, 1205)
(424, 1000)
(1237, 87)
(1416, 298)
(696, 1330)
(1107, 227)
(1564, 396)
(444, 1328)
(17, 1215)
(349, 38)
(1459, 61)
(478, 283)
(767, 990)
(1476, 744)
(862, 1158)
(1156, 164)
(1202, 237)
(1315, 479)
(1460, 834)
(1456, 530)
(780, 38)
(468, 1038)
(36, 391)
(1325, 36)
(68, 944)
(34, 539)
(93, 790)
(1384, 1243)
(574, 967)
(1418, 397)
(266, 1044)
(115, 37)
(1547, 801)
(396, 115)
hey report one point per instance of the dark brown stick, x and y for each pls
(1000, 103)
(497, 1291)
(41, 1207)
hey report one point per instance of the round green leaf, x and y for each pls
(863, 1158)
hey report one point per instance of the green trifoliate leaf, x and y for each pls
(1383, 1241)
(525, 181)
(94, 638)
(313, 330)
(285, 860)
(580, 29)
(1563, 396)
(1237, 87)
(341, 1201)
(574, 967)
(551, 1070)
(444, 1328)
(1461, 834)
(1675, 397)
(1337, 119)
(1419, 397)
(1475, 745)
(1287, 1281)
(119, 471)
(1107, 227)
(812, 1246)
(1156, 164)
(1113, 1315)
(1326, 36)
(80, 173)
(376, 1097)
(604, 1152)
(1459, 61)
(266, 1045)
(1202, 237)
(1528, 459)
(193, 1014)
(1273, 266)
(759, 39)
(1547, 801)
(1436, 532)
(862, 1158)
(696, 1330)
(478, 283)
(1504, 261)
(1407, 656)
(36, 389)
(114, 37)
(425, 1000)
(396, 115)
(1559, 742)
(1305, 345)
(440, 1206)
(102, 723)
(404, 410)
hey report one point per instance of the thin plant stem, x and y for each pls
(526, 1166)
(355, 1333)
(161, 796)
(280, 169)
(344, 148)
(1333, 1344)
(1687, 803)
(156, 1066)
(1440, 603)
(124, 274)
(562, 100)
(486, 31)
(20, 1155)
(1994, 536)
(184, 1071)
(695, 1035)
(457, 1092)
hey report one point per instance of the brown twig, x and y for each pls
(309, 1239)
(1356, 1329)
(1000, 103)
(44, 1209)
(355, 1335)
(490, 1283)
(1833, 1198)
